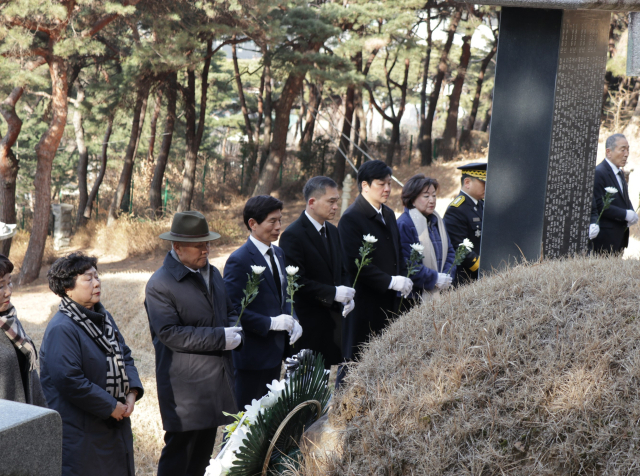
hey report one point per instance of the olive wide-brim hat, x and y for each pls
(190, 227)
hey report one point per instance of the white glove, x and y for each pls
(594, 229)
(344, 294)
(632, 217)
(232, 337)
(283, 322)
(295, 334)
(348, 307)
(444, 281)
(401, 284)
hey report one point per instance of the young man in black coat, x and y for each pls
(611, 234)
(312, 244)
(376, 299)
(192, 328)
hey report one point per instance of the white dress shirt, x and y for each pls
(379, 210)
(314, 222)
(262, 248)
(615, 172)
(475, 202)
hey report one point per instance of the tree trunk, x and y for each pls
(394, 143)
(155, 191)
(103, 168)
(465, 136)
(8, 163)
(487, 117)
(127, 200)
(450, 135)
(423, 146)
(45, 153)
(154, 126)
(343, 148)
(269, 173)
(129, 158)
(315, 98)
(427, 129)
(193, 132)
(83, 157)
(362, 132)
(265, 148)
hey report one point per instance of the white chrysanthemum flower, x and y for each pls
(275, 390)
(467, 244)
(258, 269)
(227, 461)
(214, 468)
(292, 270)
(370, 239)
(611, 190)
(417, 247)
(252, 411)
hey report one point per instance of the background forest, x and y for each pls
(131, 110)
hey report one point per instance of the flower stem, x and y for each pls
(238, 321)
(357, 274)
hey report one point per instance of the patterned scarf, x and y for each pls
(117, 380)
(11, 326)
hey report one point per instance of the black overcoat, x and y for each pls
(73, 373)
(320, 272)
(376, 304)
(194, 373)
(614, 234)
(463, 220)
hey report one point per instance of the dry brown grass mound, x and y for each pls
(532, 371)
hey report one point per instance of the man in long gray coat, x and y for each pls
(191, 321)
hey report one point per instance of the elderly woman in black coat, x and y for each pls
(88, 375)
(19, 380)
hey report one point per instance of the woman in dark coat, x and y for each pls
(420, 223)
(19, 380)
(88, 375)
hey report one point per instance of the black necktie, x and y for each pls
(323, 233)
(625, 192)
(276, 274)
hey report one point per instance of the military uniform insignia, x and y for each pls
(458, 201)
(478, 233)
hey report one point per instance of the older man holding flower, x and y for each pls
(192, 327)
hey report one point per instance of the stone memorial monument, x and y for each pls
(545, 122)
(62, 225)
(31, 440)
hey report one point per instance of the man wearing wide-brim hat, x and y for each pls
(463, 218)
(191, 321)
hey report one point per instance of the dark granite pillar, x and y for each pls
(544, 134)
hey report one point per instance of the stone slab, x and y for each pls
(542, 147)
(31, 440)
(608, 5)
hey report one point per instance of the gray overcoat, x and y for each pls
(194, 374)
(13, 376)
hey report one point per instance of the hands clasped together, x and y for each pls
(284, 322)
(345, 295)
(123, 410)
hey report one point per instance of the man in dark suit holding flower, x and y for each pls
(312, 244)
(611, 233)
(267, 320)
(382, 280)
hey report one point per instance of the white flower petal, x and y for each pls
(370, 238)
(467, 244)
(417, 247)
(292, 270)
(258, 269)
(611, 190)
(214, 468)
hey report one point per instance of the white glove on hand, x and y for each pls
(401, 284)
(348, 307)
(295, 334)
(344, 294)
(284, 322)
(632, 217)
(444, 281)
(594, 229)
(232, 337)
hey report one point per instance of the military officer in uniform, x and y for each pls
(463, 218)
